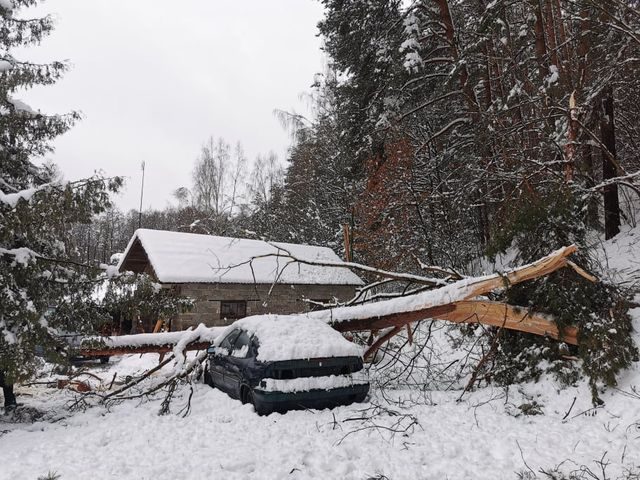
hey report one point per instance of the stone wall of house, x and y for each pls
(282, 299)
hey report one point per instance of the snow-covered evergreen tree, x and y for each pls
(42, 291)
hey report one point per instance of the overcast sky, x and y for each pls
(154, 78)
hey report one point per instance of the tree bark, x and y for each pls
(541, 44)
(610, 192)
(447, 22)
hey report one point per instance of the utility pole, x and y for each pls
(141, 196)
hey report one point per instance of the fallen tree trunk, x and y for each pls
(452, 302)
(413, 307)
(495, 314)
(164, 342)
(470, 311)
(126, 350)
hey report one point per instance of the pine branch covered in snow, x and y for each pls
(44, 292)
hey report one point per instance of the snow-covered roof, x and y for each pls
(178, 257)
(291, 337)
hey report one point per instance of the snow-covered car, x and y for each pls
(279, 363)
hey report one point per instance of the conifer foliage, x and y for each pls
(43, 293)
(462, 128)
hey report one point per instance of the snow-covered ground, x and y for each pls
(401, 433)
(485, 435)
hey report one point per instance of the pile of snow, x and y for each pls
(194, 258)
(293, 337)
(620, 257)
(304, 384)
(22, 255)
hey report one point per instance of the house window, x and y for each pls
(232, 310)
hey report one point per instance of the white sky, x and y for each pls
(154, 79)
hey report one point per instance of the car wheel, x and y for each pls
(247, 396)
(207, 376)
(361, 398)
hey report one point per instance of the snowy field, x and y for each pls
(435, 436)
(490, 433)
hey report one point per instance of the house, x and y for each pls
(230, 278)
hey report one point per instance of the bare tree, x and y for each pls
(267, 173)
(237, 176)
(210, 176)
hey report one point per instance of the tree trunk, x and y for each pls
(450, 36)
(551, 37)
(589, 173)
(607, 133)
(541, 44)
(572, 136)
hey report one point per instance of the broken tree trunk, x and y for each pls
(495, 314)
(453, 302)
(507, 316)
(441, 301)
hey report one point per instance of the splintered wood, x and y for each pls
(465, 307)
(465, 310)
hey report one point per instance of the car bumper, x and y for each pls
(282, 401)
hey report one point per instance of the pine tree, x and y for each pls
(462, 128)
(43, 292)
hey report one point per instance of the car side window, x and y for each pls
(241, 345)
(229, 340)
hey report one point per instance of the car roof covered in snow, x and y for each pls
(294, 337)
(177, 257)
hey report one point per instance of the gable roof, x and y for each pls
(177, 257)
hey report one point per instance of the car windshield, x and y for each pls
(241, 345)
(229, 340)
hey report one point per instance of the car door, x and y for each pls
(218, 361)
(236, 363)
